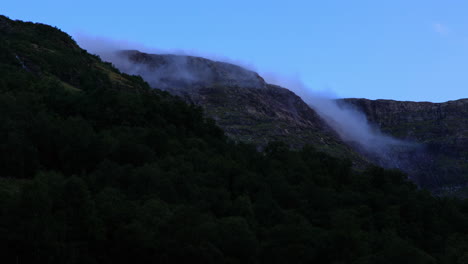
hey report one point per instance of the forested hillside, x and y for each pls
(97, 167)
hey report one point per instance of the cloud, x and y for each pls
(441, 29)
(106, 47)
(352, 125)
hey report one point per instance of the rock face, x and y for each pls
(441, 128)
(241, 102)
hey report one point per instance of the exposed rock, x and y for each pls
(441, 128)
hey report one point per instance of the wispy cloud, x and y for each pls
(441, 29)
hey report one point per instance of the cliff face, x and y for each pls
(242, 103)
(441, 128)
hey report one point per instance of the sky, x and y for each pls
(415, 50)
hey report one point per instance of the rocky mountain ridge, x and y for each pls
(440, 128)
(251, 110)
(184, 72)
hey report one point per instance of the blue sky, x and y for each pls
(401, 49)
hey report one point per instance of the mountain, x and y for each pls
(98, 167)
(239, 100)
(433, 144)
(440, 128)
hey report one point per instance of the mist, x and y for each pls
(348, 122)
(106, 48)
(176, 67)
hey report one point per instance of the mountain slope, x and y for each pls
(242, 103)
(442, 128)
(250, 110)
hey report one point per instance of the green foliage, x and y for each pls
(114, 173)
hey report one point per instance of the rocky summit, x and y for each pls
(182, 72)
